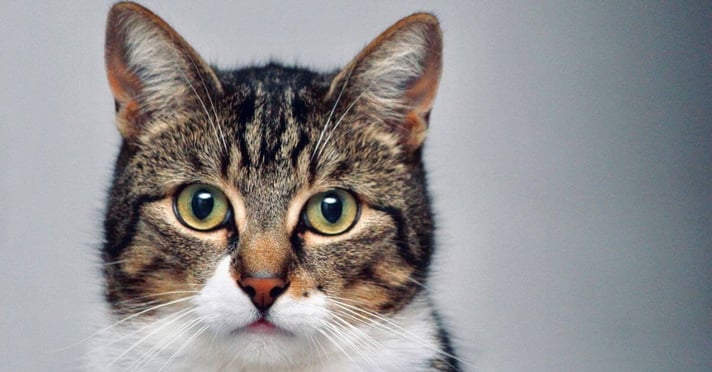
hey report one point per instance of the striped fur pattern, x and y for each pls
(269, 137)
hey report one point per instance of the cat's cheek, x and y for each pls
(221, 304)
(301, 316)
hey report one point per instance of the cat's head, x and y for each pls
(270, 205)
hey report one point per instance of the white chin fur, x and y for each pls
(211, 337)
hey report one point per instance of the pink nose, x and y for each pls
(263, 291)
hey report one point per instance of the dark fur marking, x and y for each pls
(233, 240)
(245, 116)
(299, 147)
(246, 111)
(298, 243)
(130, 227)
(195, 161)
(402, 235)
(272, 135)
(131, 286)
(225, 162)
(342, 169)
(312, 170)
(299, 110)
(447, 358)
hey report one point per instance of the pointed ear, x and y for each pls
(153, 72)
(395, 78)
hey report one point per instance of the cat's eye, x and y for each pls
(201, 207)
(332, 212)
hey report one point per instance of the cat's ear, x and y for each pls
(153, 72)
(395, 78)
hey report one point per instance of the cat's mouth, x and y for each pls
(262, 326)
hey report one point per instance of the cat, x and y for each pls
(271, 217)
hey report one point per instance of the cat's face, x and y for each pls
(271, 206)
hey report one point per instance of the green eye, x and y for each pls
(332, 212)
(201, 207)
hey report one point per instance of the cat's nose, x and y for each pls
(263, 291)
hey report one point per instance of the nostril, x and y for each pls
(276, 291)
(249, 290)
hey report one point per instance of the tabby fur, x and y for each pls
(269, 137)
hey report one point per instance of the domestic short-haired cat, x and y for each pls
(269, 218)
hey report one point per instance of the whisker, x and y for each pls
(163, 344)
(363, 338)
(333, 109)
(331, 339)
(421, 285)
(166, 319)
(185, 344)
(212, 104)
(117, 262)
(318, 347)
(144, 338)
(216, 128)
(96, 333)
(348, 109)
(348, 341)
(394, 328)
(153, 295)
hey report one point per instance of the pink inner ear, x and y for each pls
(420, 97)
(125, 86)
(413, 130)
(422, 94)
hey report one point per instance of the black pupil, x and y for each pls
(202, 204)
(331, 208)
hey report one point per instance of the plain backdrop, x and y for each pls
(569, 159)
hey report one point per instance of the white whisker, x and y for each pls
(117, 262)
(185, 344)
(213, 124)
(347, 339)
(144, 338)
(166, 319)
(325, 333)
(163, 344)
(212, 104)
(316, 344)
(154, 295)
(421, 285)
(331, 114)
(348, 109)
(132, 316)
(391, 326)
(359, 337)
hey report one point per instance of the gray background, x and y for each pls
(569, 155)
